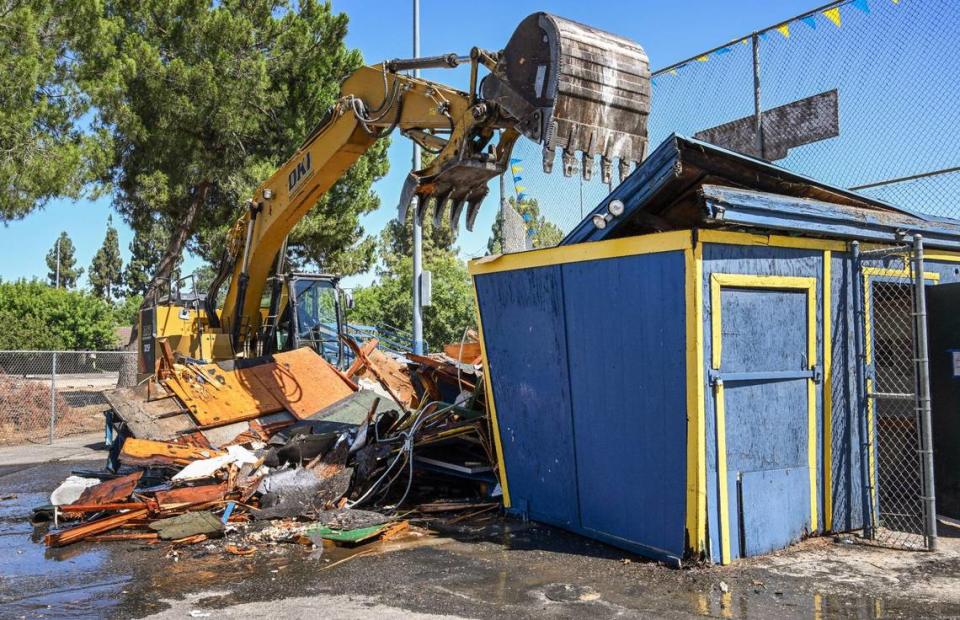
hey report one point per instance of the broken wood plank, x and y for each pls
(98, 526)
(358, 361)
(178, 498)
(304, 382)
(467, 353)
(101, 507)
(110, 491)
(146, 452)
(124, 536)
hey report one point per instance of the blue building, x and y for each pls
(682, 376)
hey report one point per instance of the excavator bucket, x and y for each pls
(562, 84)
(576, 88)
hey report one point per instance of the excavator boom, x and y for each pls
(565, 85)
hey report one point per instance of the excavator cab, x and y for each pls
(311, 314)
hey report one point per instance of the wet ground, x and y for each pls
(504, 568)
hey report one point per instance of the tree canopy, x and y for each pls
(204, 100)
(69, 273)
(389, 301)
(44, 151)
(38, 316)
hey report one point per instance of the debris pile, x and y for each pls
(286, 448)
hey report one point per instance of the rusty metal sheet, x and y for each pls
(302, 381)
(785, 127)
(110, 491)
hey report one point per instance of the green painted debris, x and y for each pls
(356, 536)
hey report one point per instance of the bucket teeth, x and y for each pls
(606, 170)
(441, 202)
(406, 196)
(473, 207)
(569, 164)
(456, 208)
(548, 156)
(623, 169)
(586, 169)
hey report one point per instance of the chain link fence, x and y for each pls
(896, 389)
(45, 395)
(893, 65)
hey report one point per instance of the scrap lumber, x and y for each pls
(360, 360)
(467, 352)
(98, 526)
(305, 382)
(146, 452)
(386, 371)
(111, 491)
(186, 496)
(82, 508)
(124, 536)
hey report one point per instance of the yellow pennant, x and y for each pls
(520, 189)
(673, 71)
(703, 58)
(516, 169)
(833, 15)
(784, 30)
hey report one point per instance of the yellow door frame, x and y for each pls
(808, 285)
(869, 274)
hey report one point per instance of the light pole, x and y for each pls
(58, 260)
(417, 227)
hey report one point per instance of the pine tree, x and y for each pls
(68, 272)
(146, 249)
(105, 271)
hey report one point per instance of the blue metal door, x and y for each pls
(763, 372)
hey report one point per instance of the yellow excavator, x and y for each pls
(562, 84)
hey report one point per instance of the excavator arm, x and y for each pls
(558, 82)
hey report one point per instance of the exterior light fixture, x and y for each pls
(267, 194)
(599, 220)
(615, 208)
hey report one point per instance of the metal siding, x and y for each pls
(758, 260)
(522, 313)
(626, 338)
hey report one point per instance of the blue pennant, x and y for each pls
(517, 179)
(863, 5)
(527, 217)
(723, 50)
(514, 160)
(810, 21)
(521, 196)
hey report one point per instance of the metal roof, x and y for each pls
(687, 183)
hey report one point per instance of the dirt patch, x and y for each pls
(25, 409)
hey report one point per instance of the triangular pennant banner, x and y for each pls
(809, 20)
(763, 35)
(515, 161)
(723, 50)
(517, 179)
(520, 189)
(521, 196)
(516, 169)
(673, 71)
(784, 30)
(703, 58)
(863, 5)
(833, 15)
(527, 217)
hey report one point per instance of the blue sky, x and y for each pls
(669, 31)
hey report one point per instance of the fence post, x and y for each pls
(53, 396)
(757, 109)
(923, 400)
